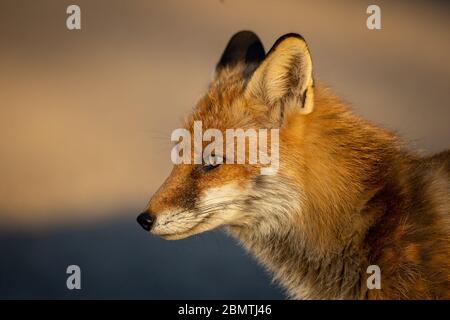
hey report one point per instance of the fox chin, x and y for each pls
(346, 194)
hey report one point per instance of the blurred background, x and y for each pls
(86, 117)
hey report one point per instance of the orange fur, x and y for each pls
(347, 195)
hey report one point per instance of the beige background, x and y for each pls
(86, 116)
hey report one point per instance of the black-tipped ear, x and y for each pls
(244, 47)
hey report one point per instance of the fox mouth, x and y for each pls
(171, 226)
(164, 230)
(175, 235)
(219, 206)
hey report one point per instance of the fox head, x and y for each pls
(250, 90)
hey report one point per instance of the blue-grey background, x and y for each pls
(86, 117)
(118, 260)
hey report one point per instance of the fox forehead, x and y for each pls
(225, 105)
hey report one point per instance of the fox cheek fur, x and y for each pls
(347, 194)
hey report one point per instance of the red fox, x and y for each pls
(347, 194)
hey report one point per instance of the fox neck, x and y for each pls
(317, 251)
(301, 271)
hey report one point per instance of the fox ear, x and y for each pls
(285, 75)
(245, 48)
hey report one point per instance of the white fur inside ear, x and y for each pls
(287, 70)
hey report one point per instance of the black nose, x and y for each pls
(145, 220)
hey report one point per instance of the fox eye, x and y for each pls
(213, 162)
